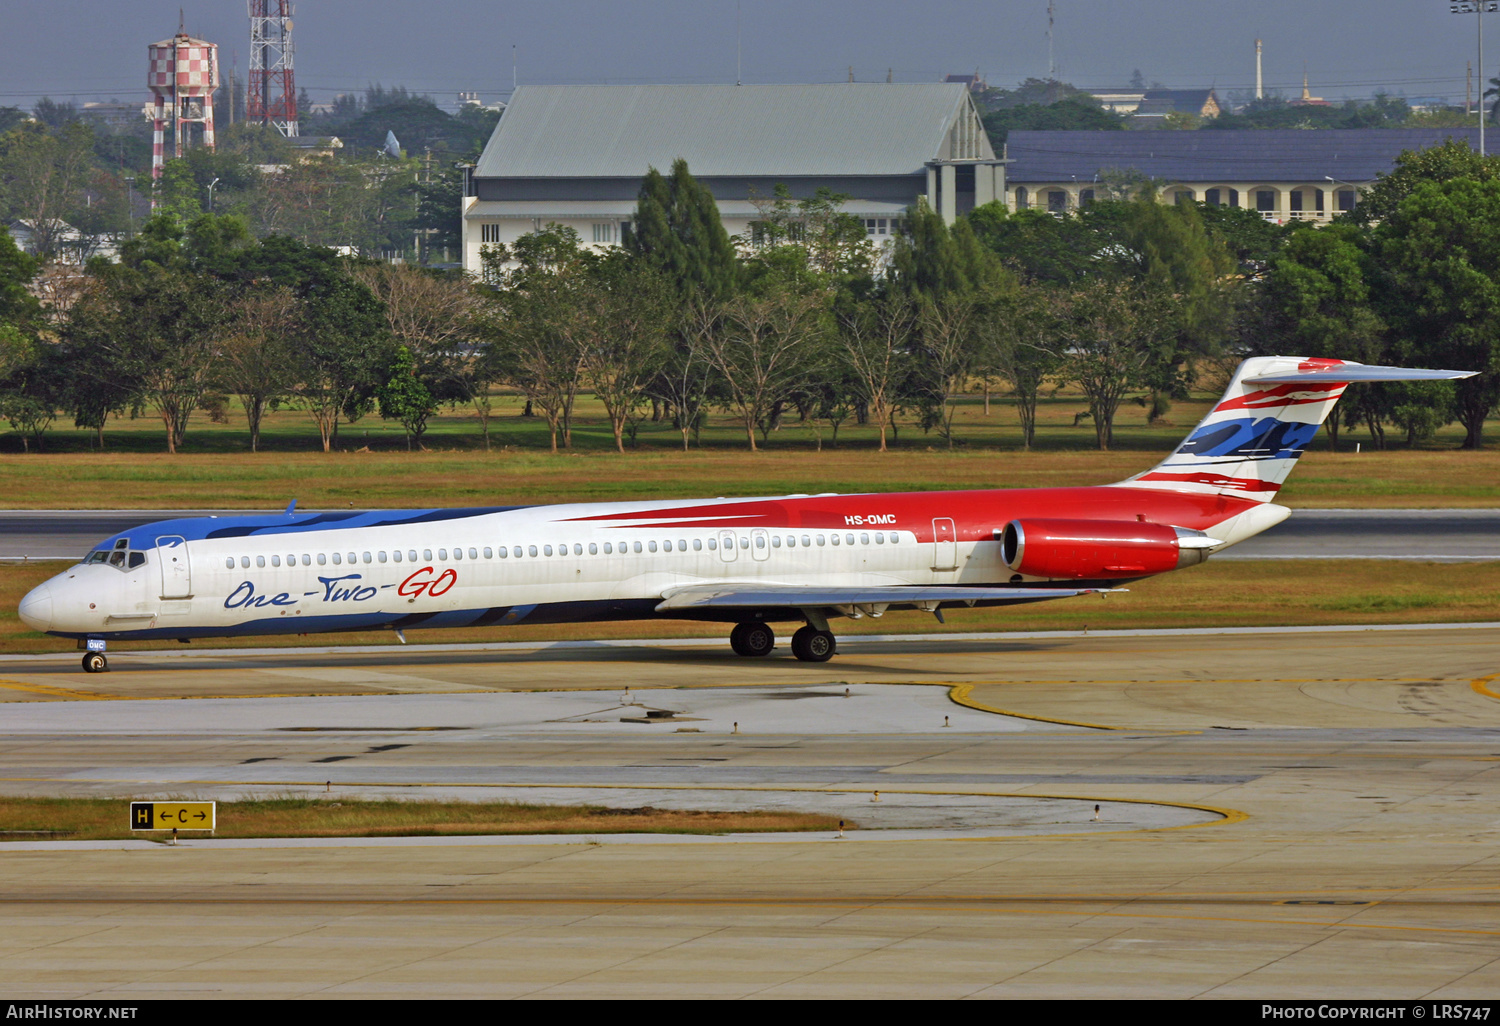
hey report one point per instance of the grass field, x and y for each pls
(1243, 594)
(101, 819)
(372, 468)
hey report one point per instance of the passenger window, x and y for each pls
(651, 545)
(791, 541)
(411, 554)
(505, 553)
(260, 561)
(338, 560)
(667, 545)
(637, 546)
(139, 559)
(609, 548)
(849, 539)
(820, 539)
(547, 549)
(306, 559)
(593, 549)
(473, 553)
(442, 554)
(712, 545)
(864, 539)
(380, 556)
(322, 559)
(489, 553)
(457, 553)
(775, 541)
(879, 538)
(681, 544)
(229, 562)
(368, 558)
(806, 541)
(275, 560)
(833, 538)
(396, 555)
(352, 558)
(697, 544)
(577, 549)
(895, 537)
(760, 541)
(744, 542)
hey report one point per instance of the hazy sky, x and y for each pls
(96, 49)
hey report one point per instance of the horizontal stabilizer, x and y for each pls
(1358, 372)
(762, 596)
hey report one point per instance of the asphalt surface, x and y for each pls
(1456, 535)
(1282, 815)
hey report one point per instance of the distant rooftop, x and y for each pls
(1237, 155)
(856, 128)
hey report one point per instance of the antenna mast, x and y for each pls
(272, 95)
(1051, 62)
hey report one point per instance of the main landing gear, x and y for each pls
(95, 662)
(757, 639)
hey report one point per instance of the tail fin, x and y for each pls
(1252, 438)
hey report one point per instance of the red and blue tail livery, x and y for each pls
(751, 562)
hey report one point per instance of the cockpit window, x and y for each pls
(120, 557)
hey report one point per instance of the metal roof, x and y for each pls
(856, 128)
(1219, 155)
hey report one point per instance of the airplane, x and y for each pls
(751, 562)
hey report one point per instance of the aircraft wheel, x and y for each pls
(95, 662)
(752, 639)
(814, 646)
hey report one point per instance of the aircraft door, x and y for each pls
(176, 571)
(728, 547)
(760, 544)
(944, 544)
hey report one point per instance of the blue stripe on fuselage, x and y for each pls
(267, 524)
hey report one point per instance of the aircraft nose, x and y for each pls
(36, 608)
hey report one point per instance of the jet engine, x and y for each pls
(1095, 549)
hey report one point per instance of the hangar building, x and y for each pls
(576, 155)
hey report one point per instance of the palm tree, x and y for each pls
(1494, 90)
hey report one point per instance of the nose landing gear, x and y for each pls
(95, 662)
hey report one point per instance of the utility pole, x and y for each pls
(1478, 9)
(1259, 92)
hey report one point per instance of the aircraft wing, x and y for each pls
(760, 596)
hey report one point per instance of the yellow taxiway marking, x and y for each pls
(55, 692)
(1481, 685)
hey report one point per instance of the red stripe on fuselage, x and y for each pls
(1244, 484)
(976, 514)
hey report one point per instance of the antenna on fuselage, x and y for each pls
(291, 507)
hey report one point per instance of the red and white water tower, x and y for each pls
(184, 74)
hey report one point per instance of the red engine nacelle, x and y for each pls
(1095, 549)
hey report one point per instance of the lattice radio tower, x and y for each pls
(272, 96)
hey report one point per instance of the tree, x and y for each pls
(622, 334)
(683, 382)
(873, 341)
(534, 337)
(1439, 254)
(432, 315)
(767, 349)
(1112, 330)
(341, 354)
(404, 397)
(1022, 343)
(157, 330)
(42, 175)
(1453, 159)
(830, 244)
(1318, 301)
(257, 355)
(677, 231)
